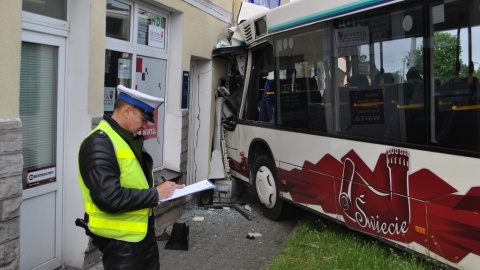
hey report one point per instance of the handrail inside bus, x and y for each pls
(410, 106)
(367, 104)
(466, 107)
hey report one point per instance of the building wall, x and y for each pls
(193, 33)
(10, 19)
(10, 128)
(196, 31)
(196, 26)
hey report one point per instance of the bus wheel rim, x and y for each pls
(265, 185)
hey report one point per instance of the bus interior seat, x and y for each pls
(411, 112)
(315, 95)
(358, 81)
(390, 93)
(344, 108)
(285, 85)
(456, 128)
(412, 93)
(385, 78)
(316, 110)
(294, 109)
(390, 101)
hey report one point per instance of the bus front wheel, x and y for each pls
(267, 189)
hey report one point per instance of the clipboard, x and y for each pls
(190, 189)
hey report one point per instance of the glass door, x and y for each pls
(136, 56)
(41, 112)
(151, 79)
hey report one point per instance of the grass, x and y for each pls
(322, 244)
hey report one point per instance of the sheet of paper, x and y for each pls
(190, 189)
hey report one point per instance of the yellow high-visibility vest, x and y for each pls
(128, 226)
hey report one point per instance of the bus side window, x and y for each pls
(262, 65)
(456, 87)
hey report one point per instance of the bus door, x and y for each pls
(235, 61)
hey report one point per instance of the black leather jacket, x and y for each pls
(101, 173)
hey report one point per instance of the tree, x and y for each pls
(445, 50)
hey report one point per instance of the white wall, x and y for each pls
(201, 116)
(10, 43)
(173, 115)
(84, 99)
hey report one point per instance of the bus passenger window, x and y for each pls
(302, 62)
(374, 98)
(456, 58)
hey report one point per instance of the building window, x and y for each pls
(118, 20)
(151, 29)
(137, 58)
(51, 8)
(38, 111)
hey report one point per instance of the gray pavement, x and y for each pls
(220, 240)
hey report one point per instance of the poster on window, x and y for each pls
(156, 36)
(108, 99)
(366, 107)
(124, 68)
(354, 36)
(40, 176)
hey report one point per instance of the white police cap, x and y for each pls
(144, 103)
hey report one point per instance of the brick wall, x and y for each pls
(11, 166)
(168, 213)
(184, 146)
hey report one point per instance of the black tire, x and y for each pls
(267, 188)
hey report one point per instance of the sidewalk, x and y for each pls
(220, 240)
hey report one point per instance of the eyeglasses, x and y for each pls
(144, 120)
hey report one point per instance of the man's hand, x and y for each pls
(167, 188)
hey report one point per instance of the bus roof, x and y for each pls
(304, 12)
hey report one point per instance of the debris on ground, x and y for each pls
(198, 218)
(251, 235)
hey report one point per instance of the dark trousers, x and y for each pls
(121, 255)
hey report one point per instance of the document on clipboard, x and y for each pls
(190, 189)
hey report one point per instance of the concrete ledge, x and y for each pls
(168, 215)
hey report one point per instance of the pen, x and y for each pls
(163, 178)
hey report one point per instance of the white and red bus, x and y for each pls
(365, 112)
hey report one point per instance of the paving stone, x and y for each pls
(219, 241)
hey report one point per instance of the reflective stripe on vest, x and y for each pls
(128, 226)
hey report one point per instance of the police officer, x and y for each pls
(117, 185)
